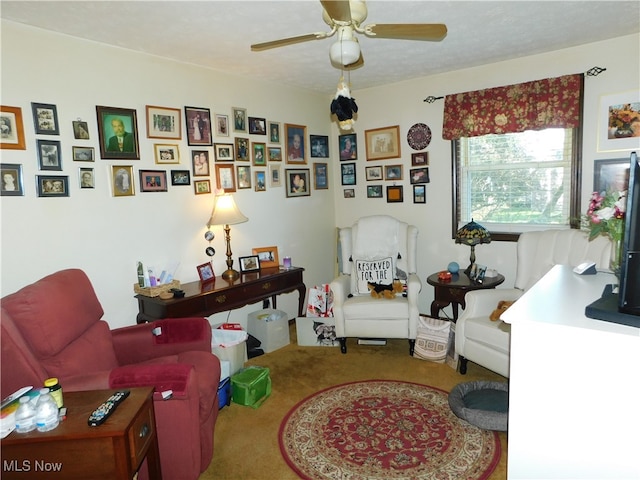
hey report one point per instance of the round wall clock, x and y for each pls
(419, 136)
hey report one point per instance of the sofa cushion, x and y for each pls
(379, 271)
(365, 307)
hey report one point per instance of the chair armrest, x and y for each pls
(480, 303)
(162, 377)
(86, 381)
(341, 288)
(414, 285)
(138, 343)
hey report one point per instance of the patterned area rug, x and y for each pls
(384, 430)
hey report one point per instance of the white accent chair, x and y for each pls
(356, 312)
(487, 343)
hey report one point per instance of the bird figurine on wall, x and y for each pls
(343, 106)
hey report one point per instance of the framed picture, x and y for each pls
(12, 181)
(83, 154)
(257, 126)
(80, 130)
(373, 173)
(275, 154)
(205, 272)
(202, 186)
(222, 125)
(239, 119)
(382, 143)
(223, 152)
(250, 263)
(49, 154)
(297, 182)
(198, 125)
(45, 119)
(348, 146)
(349, 193)
(153, 180)
(419, 194)
(395, 194)
(242, 149)
(611, 175)
(296, 151)
(225, 177)
(261, 181)
(166, 153)
(619, 122)
(87, 178)
(374, 191)
(348, 173)
(164, 122)
(274, 132)
(180, 177)
(419, 175)
(244, 176)
(319, 146)
(52, 186)
(420, 159)
(121, 180)
(320, 176)
(393, 172)
(11, 128)
(200, 163)
(267, 256)
(118, 132)
(259, 153)
(274, 176)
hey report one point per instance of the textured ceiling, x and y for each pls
(218, 34)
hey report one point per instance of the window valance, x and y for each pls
(547, 103)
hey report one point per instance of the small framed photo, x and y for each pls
(348, 146)
(153, 180)
(257, 126)
(12, 180)
(611, 175)
(297, 182)
(419, 175)
(393, 172)
(419, 194)
(319, 146)
(259, 154)
(121, 180)
(222, 125)
(180, 177)
(275, 154)
(267, 256)
(619, 122)
(198, 122)
(118, 132)
(244, 176)
(296, 151)
(274, 132)
(382, 143)
(45, 119)
(239, 119)
(374, 191)
(87, 178)
(80, 130)
(200, 163)
(164, 122)
(250, 263)
(202, 187)
(274, 176)
(348, 173)
(419, 159)
(205, 272)
(223, 152)
(261, 181)
(11, 128)
(373, 173)
(349, 193)
(242, 149)
(49, 155)
(225, 177)
(320, 176)
(166, 153)
(83, 154)
(52, 186)
(395, 194)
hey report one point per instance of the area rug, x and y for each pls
(384, 430)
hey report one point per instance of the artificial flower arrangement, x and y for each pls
(605, 216)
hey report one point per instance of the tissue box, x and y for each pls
(251, 386)
(271, 327)
(224, 393)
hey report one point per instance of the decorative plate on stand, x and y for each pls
(419, 136)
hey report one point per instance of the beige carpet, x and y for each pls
(246, 439)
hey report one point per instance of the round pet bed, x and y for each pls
(481, 403)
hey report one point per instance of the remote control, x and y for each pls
(100, 414)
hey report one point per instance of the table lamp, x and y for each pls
(472, 234)
(226, 212)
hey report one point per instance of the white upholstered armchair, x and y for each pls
(376, 249)
(487, 343)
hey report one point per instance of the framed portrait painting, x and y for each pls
(239, 119)
(319, 146)
(274, 132)
(382, 143)
(257, 126)
(153, 180)
(118, 132)
(180, 177)
(619, 122)
(52, 186)
(200, 162)
(122, 180)
(296, 149)
(242, 149)
(348, 146)
(320, 176)
(11, 128)
(164, 122)
(297, 182)
(225, 177)
(80, 130)
(166, 153)
(11, 180)
(244, 176)
(223, 152)
(198, 122)
(222, 125)
(45, 119)
(259, 154)
(49, 154)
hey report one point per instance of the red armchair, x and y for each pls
(54, 328)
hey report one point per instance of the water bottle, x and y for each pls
(25, 416)
(46, 412)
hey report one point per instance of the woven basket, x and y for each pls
(155, 291)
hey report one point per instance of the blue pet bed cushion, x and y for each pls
(482, 403)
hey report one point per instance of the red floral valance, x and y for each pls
(548, 103)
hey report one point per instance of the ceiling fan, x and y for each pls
(345, 18)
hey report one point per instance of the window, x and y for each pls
(516, 182)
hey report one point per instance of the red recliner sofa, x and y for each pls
(54, 328)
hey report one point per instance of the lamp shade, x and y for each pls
(346, 49)
(226, 212)
(472, 234)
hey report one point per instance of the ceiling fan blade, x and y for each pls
(408, 31)
(258, 47)
(338, 10)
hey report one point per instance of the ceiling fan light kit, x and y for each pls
(346, 50)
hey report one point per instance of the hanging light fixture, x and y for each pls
(346, 49)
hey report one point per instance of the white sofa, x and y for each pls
(486, 342)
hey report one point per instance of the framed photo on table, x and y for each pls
(268, 256)
(250, 263)
(382, 143)
(198, 122)
(205, 272)
(164, 122)
(11, 128)
(118, 132)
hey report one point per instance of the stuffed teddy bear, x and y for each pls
(379, 290)
(502, 307)
(343, 106)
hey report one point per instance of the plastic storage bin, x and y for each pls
(271, 327)
(251, 386)
(230, 348)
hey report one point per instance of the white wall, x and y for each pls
(105, 236)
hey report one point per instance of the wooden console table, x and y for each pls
(222, 295)
(74, 450)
